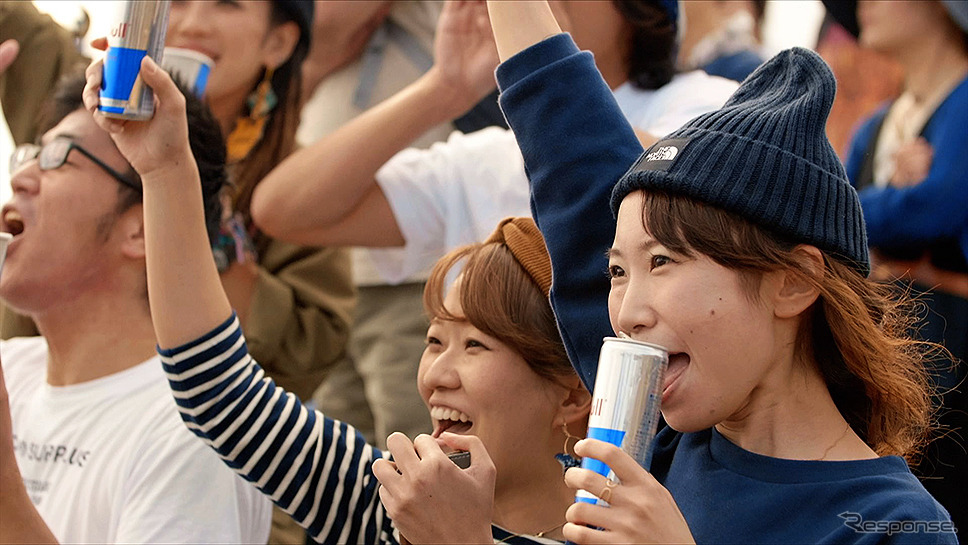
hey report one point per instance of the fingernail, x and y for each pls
(149, 65)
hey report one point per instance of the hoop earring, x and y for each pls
(248, 130)
(568, 437)
(565, 458)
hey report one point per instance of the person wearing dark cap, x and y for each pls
(294, 302)
(494, 376)
(792, 396)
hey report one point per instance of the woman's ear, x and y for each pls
(279, 44)
(794, 291)
(577, 402)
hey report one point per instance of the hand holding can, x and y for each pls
(625, 404)
(139, 31)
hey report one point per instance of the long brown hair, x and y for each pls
(499, 297)
(279, 136)
(857, 333)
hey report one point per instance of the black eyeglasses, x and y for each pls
(53, 155)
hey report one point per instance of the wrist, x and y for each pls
(446, 100)
(179, 166)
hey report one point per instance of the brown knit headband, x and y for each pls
(522, 237)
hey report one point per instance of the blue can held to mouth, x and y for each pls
(189, 67)
(625, 404)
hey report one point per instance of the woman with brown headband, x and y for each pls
(494, 377)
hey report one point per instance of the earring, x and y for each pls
(568, 437)
(263, 100)
(248, 130)
(565, 458)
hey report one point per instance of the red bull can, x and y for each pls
(625, 404)
(139, 31)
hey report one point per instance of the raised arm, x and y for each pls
(519, 25)
(315, 468)
(184, 290)
(576, 144)
(326, 194)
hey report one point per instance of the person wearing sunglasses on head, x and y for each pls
(91, 446)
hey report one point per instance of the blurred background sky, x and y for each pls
(787, 23)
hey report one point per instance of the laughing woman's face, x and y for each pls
(474, 384)
(721, 340)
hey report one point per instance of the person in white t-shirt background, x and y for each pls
(362, 186)
(92, 448)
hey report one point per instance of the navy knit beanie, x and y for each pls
(765, 157)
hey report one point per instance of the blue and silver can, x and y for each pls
(139, 31)
(625, 404)
(189, 67)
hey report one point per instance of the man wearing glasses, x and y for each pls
(97, 452)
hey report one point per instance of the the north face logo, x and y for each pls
(661, 156)
(665, 153)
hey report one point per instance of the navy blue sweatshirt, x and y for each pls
(576, 145)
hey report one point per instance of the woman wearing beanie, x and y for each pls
(495, 378)
(793, 398)
(908, 162)
(294, 302)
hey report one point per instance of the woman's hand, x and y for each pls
(640, 509)
(151, 146)
(429, 498)
(464, 52)
(912, 163)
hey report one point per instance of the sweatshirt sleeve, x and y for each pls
(318, 470)
(576, 144)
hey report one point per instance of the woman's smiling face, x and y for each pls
(473, 383)
(238, 36)
(721, 339)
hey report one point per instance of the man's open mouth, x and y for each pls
(13, 222)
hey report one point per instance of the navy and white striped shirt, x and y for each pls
(315, 468)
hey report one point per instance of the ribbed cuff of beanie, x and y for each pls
(767, 185)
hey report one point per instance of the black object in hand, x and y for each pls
(461, 458)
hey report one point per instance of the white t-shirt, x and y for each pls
(110, 461)
(455, 193)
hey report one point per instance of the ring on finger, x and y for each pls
(606, 495)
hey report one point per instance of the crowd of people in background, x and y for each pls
(427, 216)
